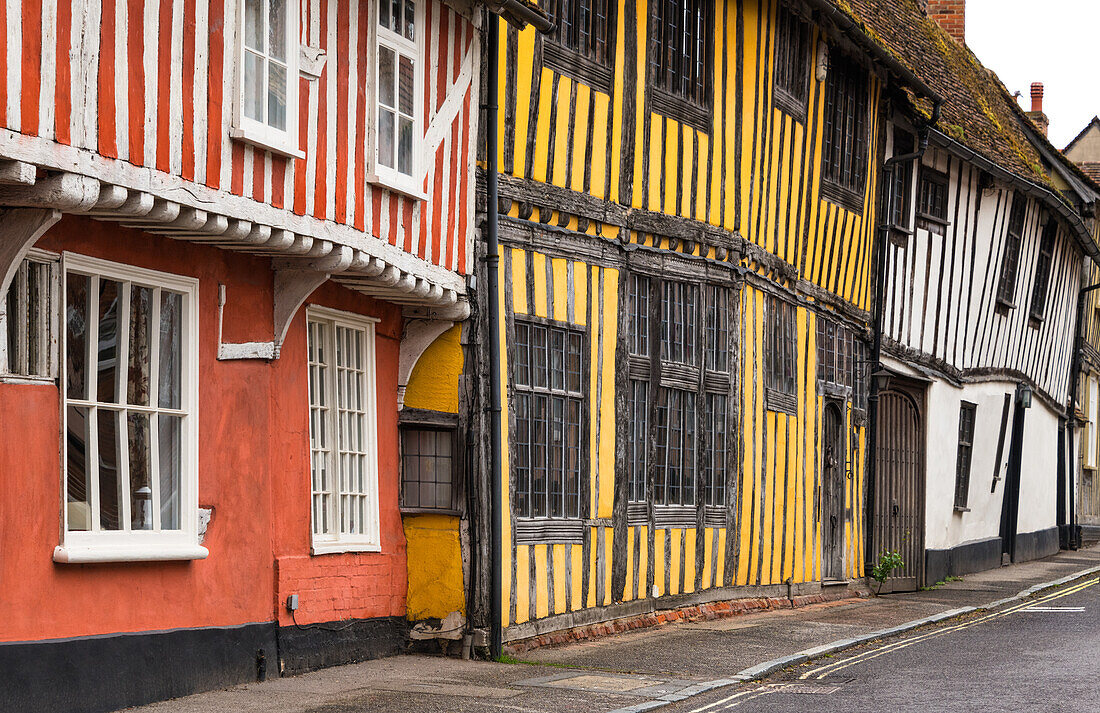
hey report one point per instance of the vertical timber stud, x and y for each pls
(492, 259)
(622, 424)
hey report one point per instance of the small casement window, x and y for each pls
(967, 412)
(343, 431)
(902, 188)
(780, 356)
(792, 63)
(841, 360)
(398, 102)
(932, 200)
(582, 45)
(429, 468)
(267, 97)
(680, 60)
(130, 386)
(550, 416)
(1010, 261)
(28, 320)
(844, 150)
(679, 392)
(1042, 271)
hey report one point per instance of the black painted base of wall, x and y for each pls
(1033, 545)
(963, 559)
(1090, 533)
(104, 673)
(313, 646)
(980, 555)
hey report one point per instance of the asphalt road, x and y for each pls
(1038, 655)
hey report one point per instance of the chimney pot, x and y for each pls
(1037, 96)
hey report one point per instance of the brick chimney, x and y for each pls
(1036, 114)
(951, 16)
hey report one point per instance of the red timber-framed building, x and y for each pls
(229, 231)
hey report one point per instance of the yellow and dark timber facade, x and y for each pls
(686, 287)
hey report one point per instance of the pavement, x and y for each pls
(690, 666)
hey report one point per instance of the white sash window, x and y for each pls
(398, 94)
(130, 389)
(343, 432)
(266, 111)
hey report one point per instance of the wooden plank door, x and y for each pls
(834, 468)
(899, 491)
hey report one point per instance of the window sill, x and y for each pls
(847, 198)
(27, 380)
(961, 509)
(265, 142)
(570, 63)
(537, 531)
(451, 512)
(91, 554)
(335, 548)
(789, 104)
(396, 186)
(780, 402)
(680, 109)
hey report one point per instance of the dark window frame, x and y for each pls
(695, 107)
(964, 455)
(792, 62)
(842, 361)
(846, 116)
(1010, 256)
(527, 391)
(901, 212)
(567, 51)
(430, 421)
(932, 199)
(682, 390)
(780, 356)
(1044, 264)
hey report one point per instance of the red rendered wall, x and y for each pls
(253, 470)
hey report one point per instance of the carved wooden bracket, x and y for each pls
(418, 336)
(21, 228)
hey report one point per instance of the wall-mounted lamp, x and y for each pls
(880, 378)
(1023, 395)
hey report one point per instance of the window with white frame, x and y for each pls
(267, 106)
(342, 432)
(129, 380)
(397, 129)
(28, 322)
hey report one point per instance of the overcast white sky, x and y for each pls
(1054, 42)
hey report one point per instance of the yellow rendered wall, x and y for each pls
(754, 172)
(434, 550)
(433, 383)
(435, 566)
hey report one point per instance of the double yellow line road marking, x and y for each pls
(823, 671)
(820, 672)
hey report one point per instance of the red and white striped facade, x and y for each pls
(132, 102)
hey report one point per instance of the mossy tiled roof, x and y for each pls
(978, 111)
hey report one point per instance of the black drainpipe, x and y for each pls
(492, 264)
(1067, 526)
(876, 334)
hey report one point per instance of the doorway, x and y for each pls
(898, 523)
(834, 473)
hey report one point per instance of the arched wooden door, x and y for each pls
(899, 488)
(833, 471)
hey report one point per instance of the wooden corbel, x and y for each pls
(417, 337)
